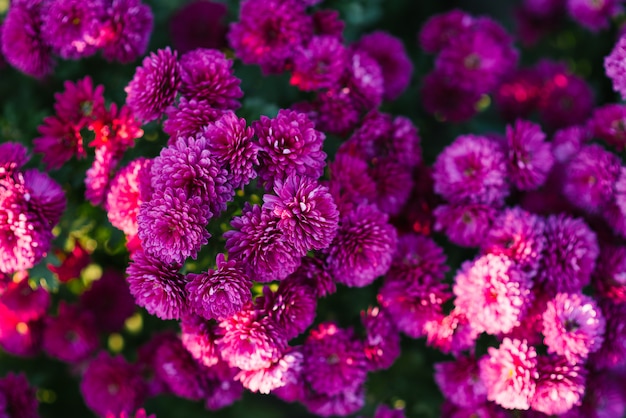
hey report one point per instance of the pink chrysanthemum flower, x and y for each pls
(59, 141)
(439, 30)
(23, 301)
(278, 375)
(98, 176)
(592, 14)
(230, 142)
(573, 326)
(509, 374)
(154, 85)
(219, 293)
(560, 386)
(189, 166)
(17, 398)
(110, 384)
(249, 341)
(80, 103)
(199, 24)
(157, 287)
(493, 293)
(363, 247)
(269, 31)
(305, 211)
(207, 75)
(172, 225)
(382, 339)
(451, 334)
(71, 27)
(609, 124)
(334, 361)
(71, 336)
(260, 245)
(465, 225)
(459, 381)
(320, 64)
(609, 277)
(126, 30)
(394, 62)
(471, 169)
(518, 235)
(529, 156)
(288, 144)
(124, 196)
(199, 337)
(590, 177)
(569, 256)
(188, 118)
(446, 102)
(615, 67)
(23, 45)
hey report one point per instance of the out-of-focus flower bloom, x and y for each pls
(198, 24)
(126, 30)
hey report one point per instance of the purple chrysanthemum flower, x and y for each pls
(592, 14)
(603, 398)
(446, 102)
(417, 256)
(567, 142)
(154, 85)
(110, 384)
(465, 225)
(573, 326)
(364, 80)
(363, 247)
(222, 389)
(382, 339)
(124, 197)
(44, 196)
(509, 374)
(190, 168)
(478, 60)
(109, 300)
(80, 103)
(459, 381)
(342, 404)
(493, 293)
(13, 156)
(207, 75)
(394, 62)
(529, 156)
(609, 124)
(23, 45)
(219, 293)
(518, 235)
(315, 273)
(182, 375)
(350, 184)
(260, 245)
(560, 386)
(320, 64)
(71, 336)
(291, 307)
(609, 277)
(337, 112)
(199, 337)
(590, 177)
(71, 27)
(249, 341)
(612, 353)
(305, 211)
(439, 30)
(278, 375)
(126, 30)
(334, 361)
(172, 225)
(394, 183)
(17, 398)
(615, 66)
(569, 256)
(288, 144)
(230, 142)
(471, 169)
(157, 287)
(188, 118)
(269, 31)
(199, 24)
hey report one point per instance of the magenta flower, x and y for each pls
(451, 334)
(465, 225)
(188, 118)
(382, 339)
(154, 85)
(591, 14)
(459, 381)
(126, 30)
(320, 64)
(177, 369)
(615, 67)
(207, 75)
(529, 156)
(609, 277)
(281, 373)
(343, 403)
(441, 29)
(17, 398)
(560, 386)
(199, 24)
(493, 293)
(219, 293)
(471, 170)
(442, 99)
(573, 326)
(509, 373)
(199, 337)
(71, 336)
